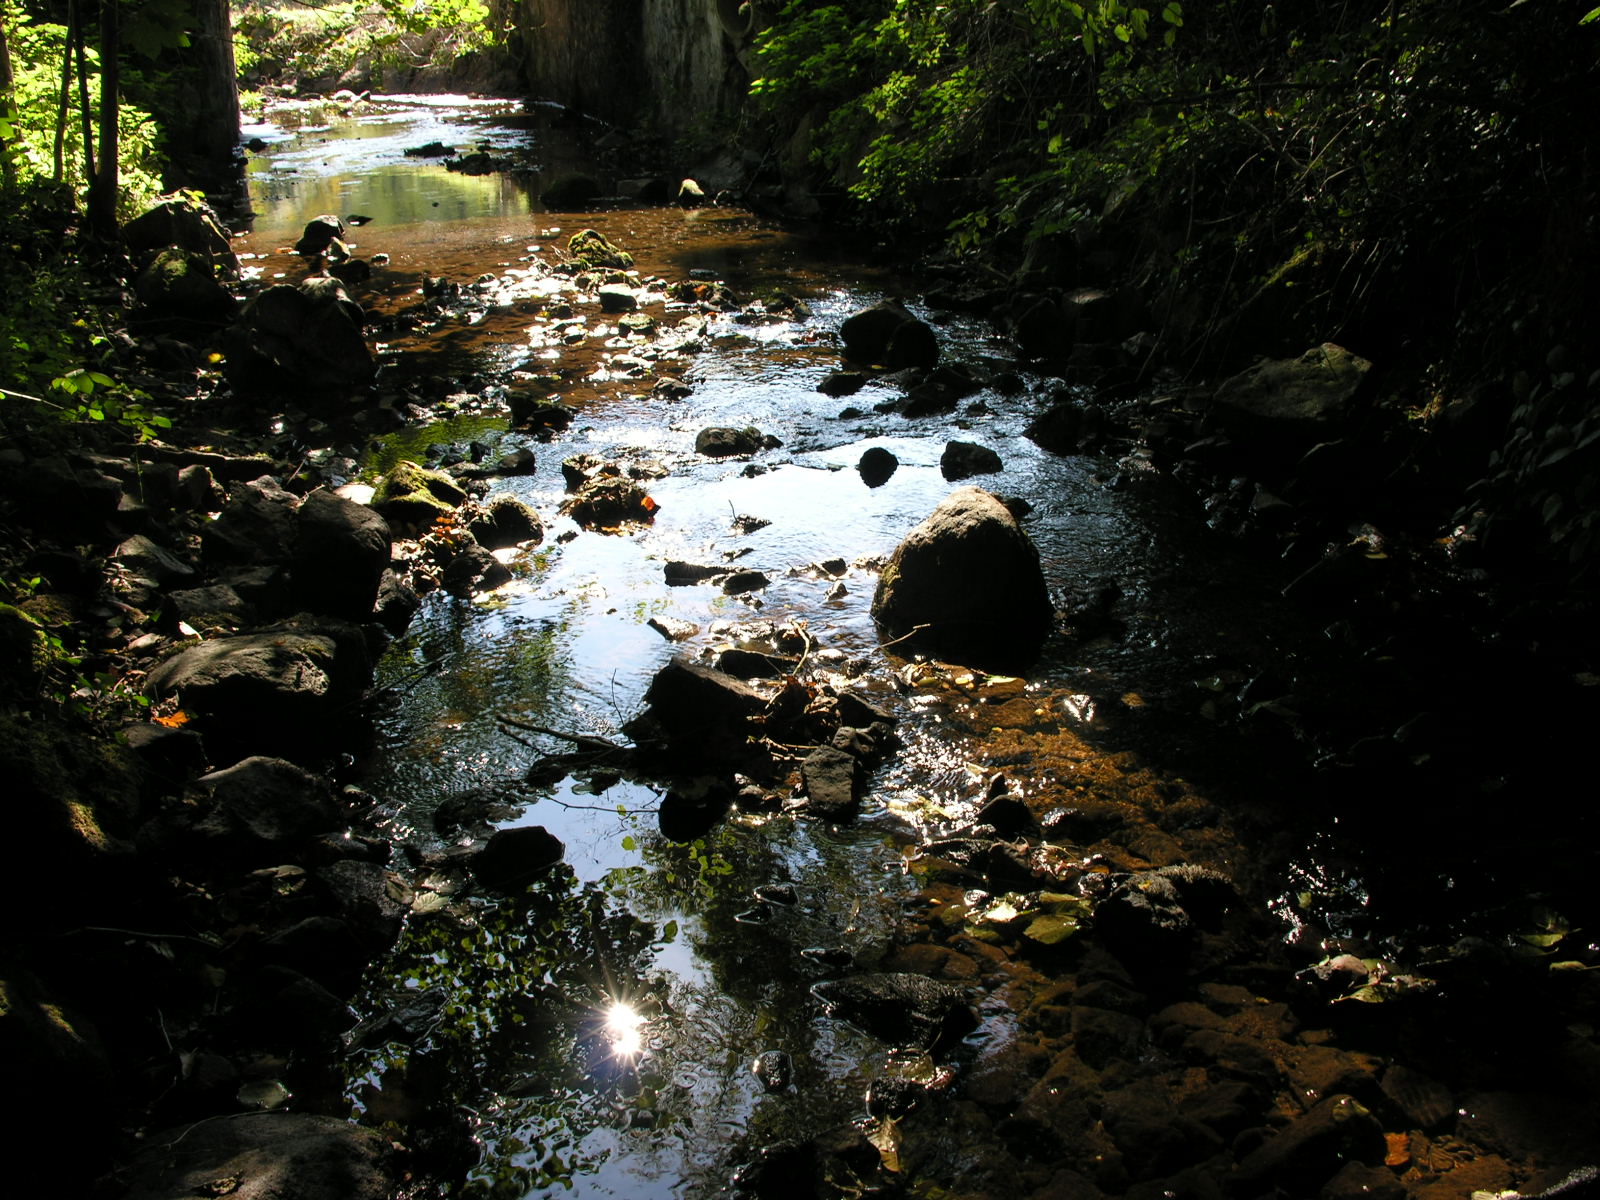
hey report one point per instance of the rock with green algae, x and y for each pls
(184, 283)
(409, 494)
(24, 654)
(593, 251)
(71, 803)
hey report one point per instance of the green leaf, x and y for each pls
(1048, 930)
(1590, 17)
(630, 844)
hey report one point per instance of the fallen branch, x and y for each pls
(587, 741)
(915, 629)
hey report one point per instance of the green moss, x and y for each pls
(593, 251)
(25, 653)
(411, 494)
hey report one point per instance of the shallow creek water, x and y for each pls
(596, 1035)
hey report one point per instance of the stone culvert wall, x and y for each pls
(668, 65)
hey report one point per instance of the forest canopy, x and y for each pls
(1220, 144)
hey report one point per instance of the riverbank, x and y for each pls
(1152, 765)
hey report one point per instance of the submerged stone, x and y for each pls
(899, 1008)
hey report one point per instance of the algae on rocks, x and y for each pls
(593, 251)
(410, 494)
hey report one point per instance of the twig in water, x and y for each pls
(610, 808)
(915, 629)
(587, 741)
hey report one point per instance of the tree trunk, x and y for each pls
(201, 145)
(85, 113)
(217, 127)
(64, 103)
(103, 191)
(8, 109)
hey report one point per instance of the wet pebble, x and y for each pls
(775, 1070)
(777, 893)
(892, 1096)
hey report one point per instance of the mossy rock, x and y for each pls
(593, 251)
(72, 800)
(409, 494)
(24, 654)
(184, 283)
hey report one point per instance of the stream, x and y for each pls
(594, 1037)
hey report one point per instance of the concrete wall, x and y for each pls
(662, 64)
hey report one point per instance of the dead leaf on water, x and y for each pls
(886, 1137)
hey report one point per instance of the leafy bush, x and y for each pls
(31, 132)
(284, 43)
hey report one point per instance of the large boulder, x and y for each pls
(272, 690)
(301, 339)
(341, 550)
(319, 233)
(888, 335)
(257, 525)
(184, 283)
(699, 717)
(263, 807)
(966, 584)
(963, 459)
(506, 521)
(1292, 403)
(514, 858)
(173, 221)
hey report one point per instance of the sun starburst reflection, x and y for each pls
(624, 1025)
